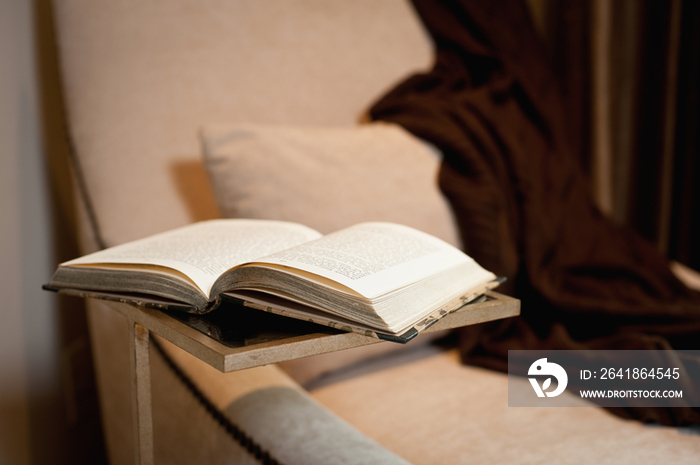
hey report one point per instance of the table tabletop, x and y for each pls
(268, 338)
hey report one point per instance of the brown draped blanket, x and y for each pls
(523, 204)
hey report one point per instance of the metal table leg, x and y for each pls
(141, 393)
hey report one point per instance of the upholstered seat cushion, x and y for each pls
(436, 410)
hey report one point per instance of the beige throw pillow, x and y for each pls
(328, 179)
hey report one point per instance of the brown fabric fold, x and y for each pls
(523, 204)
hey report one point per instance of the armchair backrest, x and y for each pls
(141, 78)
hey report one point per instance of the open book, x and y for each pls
(380, 279)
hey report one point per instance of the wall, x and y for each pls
(28, 376)
(48, 411)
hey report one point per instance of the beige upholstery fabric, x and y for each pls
(223, 389)
(437, 411)
(184, 433)
(310, 371)
(141, 78)
(297, 429)
(327, 178)
(112, 367)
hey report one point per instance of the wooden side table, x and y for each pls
(257, 351)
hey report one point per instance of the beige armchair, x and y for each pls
(141, 81)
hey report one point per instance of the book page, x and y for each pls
(205, 250)
(372, 258)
